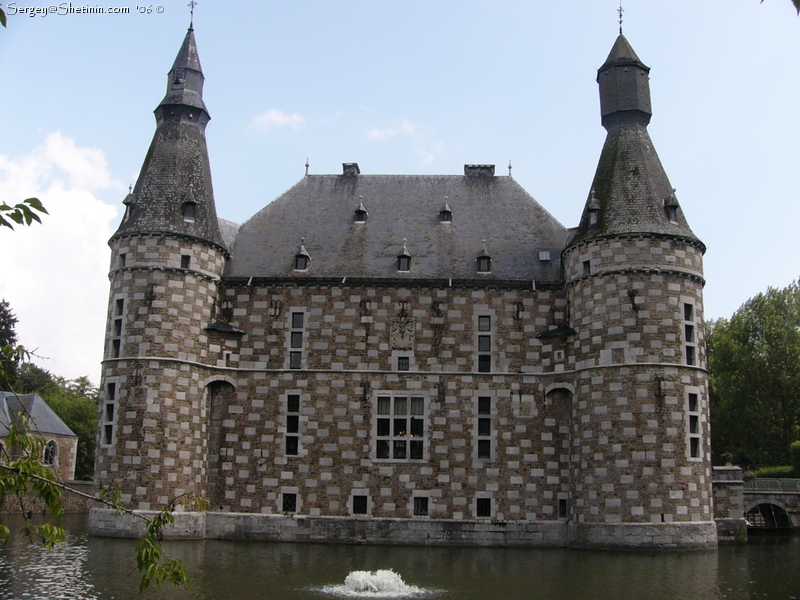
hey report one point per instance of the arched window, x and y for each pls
(50, 456)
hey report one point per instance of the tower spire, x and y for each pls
(173, 193)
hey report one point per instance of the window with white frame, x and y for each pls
(297, 321)
(694, 436)
(484, 343)
(292, 439)
(400, 431)
(689, 333)
(109, 414)
(484, 428)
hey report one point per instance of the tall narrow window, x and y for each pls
(116, 328)
(483, 507)
(400, 428)
(50, 456)
(360, 505)
(109, 414)
(296, 335)
(292, 424)
(484, 343)
(693, 425)
(289, 503)
(689, 334)
(484, 428)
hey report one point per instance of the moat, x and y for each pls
(92, 568)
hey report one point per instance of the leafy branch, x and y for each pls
(23, 213)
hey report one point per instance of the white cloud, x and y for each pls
(276, 118)
(403, 128)
(55, 275)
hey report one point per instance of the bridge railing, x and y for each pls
(772, 485)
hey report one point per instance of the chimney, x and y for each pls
(479, 170)
(350, 169)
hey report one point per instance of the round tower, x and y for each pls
(641, 458)
(166, 261)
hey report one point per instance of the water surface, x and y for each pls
(91, 568)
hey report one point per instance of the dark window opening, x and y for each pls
(189, 212)
(112, 391)
(689, 331)
(484, 426)
(446, 216)
(185, 261)
(295, 360)
(688, 312)
(116, 348)
(292, 445)
(120, 306)
(403, 363)
(563, 508)
(484, 363)
(484, 449)
(420, 507)
(484, 405)
(694, 447)
(297, 339)
(293, 403)
(300, 263)
(289, 503)
(690, 355)
(693, 402)
(109, 412)
(361, 216)
(484, 323)
(359, 505)
(587, 267)
(108, 434)
(297, 320)
(403, 263)
(483, 507)
(484, 264)
(117, 327)
(484, 343)
(122, 259)
(50, 453)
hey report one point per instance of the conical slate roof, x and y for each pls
(174, 193)
(631, 192)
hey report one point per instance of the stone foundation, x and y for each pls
(417, 532)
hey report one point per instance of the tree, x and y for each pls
(796, 5)
(8, 340)
(754, 375)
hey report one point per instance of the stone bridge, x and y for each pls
(769, 504)
(772, 503)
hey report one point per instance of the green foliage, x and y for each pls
(2, 17)
(794, 456)
(774, 472)
(8, 341)
(754, 375)
(23, 213)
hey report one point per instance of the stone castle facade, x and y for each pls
(410, 359)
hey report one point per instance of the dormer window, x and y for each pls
(189, 212)
(302, 258)
(404, 259)
(179, 77)
(446, 215)
(593, 210)
(484, 260)
(671, 208)
(361, 213)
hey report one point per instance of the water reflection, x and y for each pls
(104, 569)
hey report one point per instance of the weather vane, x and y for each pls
(191, 6)
(620, 10)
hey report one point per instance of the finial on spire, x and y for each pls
(509, 167)
(620, 10)
(307, 165)
(191, 5)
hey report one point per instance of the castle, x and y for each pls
(410, 359)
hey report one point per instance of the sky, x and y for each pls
(401, 87)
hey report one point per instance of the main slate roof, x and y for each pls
(319, 213)
(40, 416)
